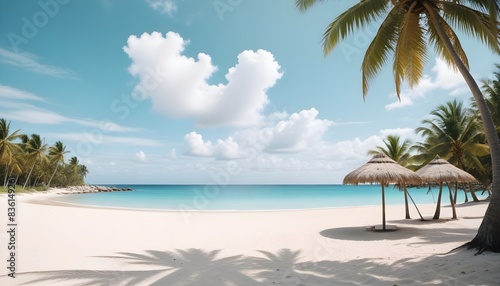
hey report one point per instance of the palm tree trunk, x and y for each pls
(438, 204)
(50, 180)
(488, 234)
(6, 175)
(29, 175)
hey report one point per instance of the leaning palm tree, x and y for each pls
(398, 151)
(408, 26)
(56, 155)
(35, 149)
(8, 149)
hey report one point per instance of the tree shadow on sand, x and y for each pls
(285, 267)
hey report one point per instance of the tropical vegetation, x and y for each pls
(407, 28)
(33, 163)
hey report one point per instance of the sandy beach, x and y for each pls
(68, 245)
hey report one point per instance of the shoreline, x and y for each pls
(74, 245)
(45, 198)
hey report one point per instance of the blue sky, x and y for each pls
(224, 91)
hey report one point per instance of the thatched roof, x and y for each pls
(382, 169)
(439, 170)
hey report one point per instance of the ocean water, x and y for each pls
(254, 197)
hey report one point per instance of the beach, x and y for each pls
(61, 244)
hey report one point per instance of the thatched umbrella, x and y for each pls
(440, 171)
(382, 169)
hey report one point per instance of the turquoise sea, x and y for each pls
(253, 197)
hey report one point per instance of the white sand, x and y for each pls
(68, 245)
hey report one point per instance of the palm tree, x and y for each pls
(56, 155)
(395, 149)
(35, 149)
(408, 26)
(399, 152)
(83, 171)
(7, 148)
(491, 88)
(453, 134)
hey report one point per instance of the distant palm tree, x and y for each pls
(56, 155)
(8, 148)
(491, 90)
(399, 152)
(83, 171)
(35, 149)
(396, 149)
(407, 28)
(453, 134)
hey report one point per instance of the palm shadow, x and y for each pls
(180, 267)
(198, 267)
(285, 267)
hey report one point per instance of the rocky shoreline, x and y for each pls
(88, 189)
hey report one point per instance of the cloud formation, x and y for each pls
(17, 94)
(178, 85)
(140, 157)
(32, 63)
(164, 6)
(17, 110)
(297, 133)
(445, 78)
(294, 134)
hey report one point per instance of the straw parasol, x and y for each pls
(382, 169)
(441, 171)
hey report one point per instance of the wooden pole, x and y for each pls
(383, 207)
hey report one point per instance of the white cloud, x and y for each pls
(297, 133)
(196, 146)
(31, 62)
(172, 154)
(98, 138)
(227, 149)
(445, 79)
(32, 114)
(35, 116)
(41, 116)
(178, 85)
(17, 94)
(404, 133)
(164, 6)
(140, 156)
(300, 131)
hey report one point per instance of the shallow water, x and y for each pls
(254, 197)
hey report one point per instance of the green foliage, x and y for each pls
(36, 165)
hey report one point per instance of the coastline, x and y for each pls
(71, 245)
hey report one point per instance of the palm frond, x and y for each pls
(473, 22)
(303, 5)
(378, 51)
(355, 17)
(410, 52)
(440, 48)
